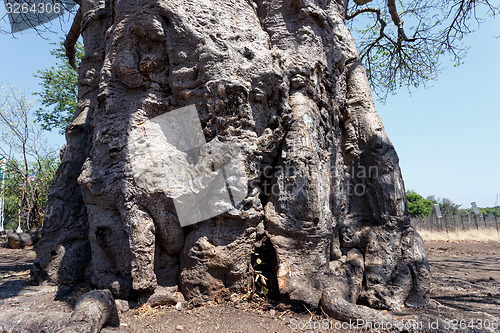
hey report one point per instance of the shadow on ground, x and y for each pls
(466, 286)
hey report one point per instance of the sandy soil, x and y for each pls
(465, 291)
(466, 275)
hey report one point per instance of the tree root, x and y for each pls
(93, 310)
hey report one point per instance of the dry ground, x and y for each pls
(481, 234)
(466, 286)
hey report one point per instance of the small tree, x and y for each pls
(417, 205)
(59, 90)
(31, 165)
(25, 199)
(448, 207)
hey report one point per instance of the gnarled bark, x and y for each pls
(282, 80)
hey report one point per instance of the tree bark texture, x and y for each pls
(326, 207)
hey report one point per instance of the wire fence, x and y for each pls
(457, 222)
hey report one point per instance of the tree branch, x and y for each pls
(72, 38)
(391, 5)
(364, 10)
(361, 2)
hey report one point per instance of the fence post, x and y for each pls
(446, 225)
(496, 223)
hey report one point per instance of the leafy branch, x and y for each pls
(393, 58)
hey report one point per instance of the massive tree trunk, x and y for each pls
(325, 210)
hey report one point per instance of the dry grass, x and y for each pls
(146, 310)
(483, 234)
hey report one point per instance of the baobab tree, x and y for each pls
(324, 214)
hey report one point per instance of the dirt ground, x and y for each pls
(465, 293)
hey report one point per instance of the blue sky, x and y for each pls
(447, 136)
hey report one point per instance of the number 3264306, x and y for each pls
(456, 324)
(33, 8)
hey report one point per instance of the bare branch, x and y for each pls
(352, 15)
(394, 59)
(361, 2)
(72, 38)
(391, 5)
